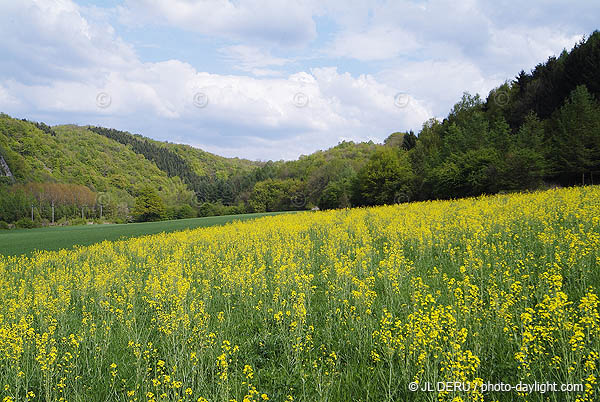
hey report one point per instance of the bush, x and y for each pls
(77, 221)
(186, 212)
(25, 223)
(218, 209)
(181, 212)
(4, 225)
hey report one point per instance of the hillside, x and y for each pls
(72, 154)
(207, 175)
(540, 129)
(114, 171)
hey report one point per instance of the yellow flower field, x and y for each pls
(348, 305)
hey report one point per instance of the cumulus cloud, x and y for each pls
(437, 50)
(271, 21)
(524, 47)
(68, 64)
(6, 100)
(439, 83)
(261, 111)
(51, 40)
(472, 28)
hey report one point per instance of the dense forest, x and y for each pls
(540, 129)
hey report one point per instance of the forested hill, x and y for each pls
(209, 176)
(71, 154)
(114, 169)
(540, 129)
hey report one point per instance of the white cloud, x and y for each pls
(61, 56)
(6, 100)
(524, 47)
(252, 59)
(51, 40)
(270, 21)
(495, 35)
(439, 83)
(437, 50)
(263, 111)
(376, 43)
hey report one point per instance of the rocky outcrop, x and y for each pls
(4, 169)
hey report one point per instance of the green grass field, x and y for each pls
(26, 241)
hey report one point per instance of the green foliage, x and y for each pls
(186, 212)
(277, 195)
(4, 225)
(337, 194)
(471, 173)
(542, 127)
(77, 221)
(25, 223)
(387, 174)
(204, 174)
(76, 155)
(524, 164)
(549, 84)
(576, 137)
(149, 206)
(65, 200)
(14, 204)
(406, 141)
(218, 209)
(181, 212)
(523, 169)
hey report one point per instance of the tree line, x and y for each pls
(32, 204)
(540, 129)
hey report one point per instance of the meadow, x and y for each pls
(346, 305)
(27, 241)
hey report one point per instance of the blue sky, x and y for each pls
(269, 79)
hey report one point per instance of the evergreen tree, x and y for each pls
(576, 137)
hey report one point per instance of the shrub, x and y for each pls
(25, 223)
(186, 212)
(77, 221)
(4, 225)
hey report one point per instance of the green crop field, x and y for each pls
(26, 241)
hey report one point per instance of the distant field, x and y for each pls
(25, 241)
